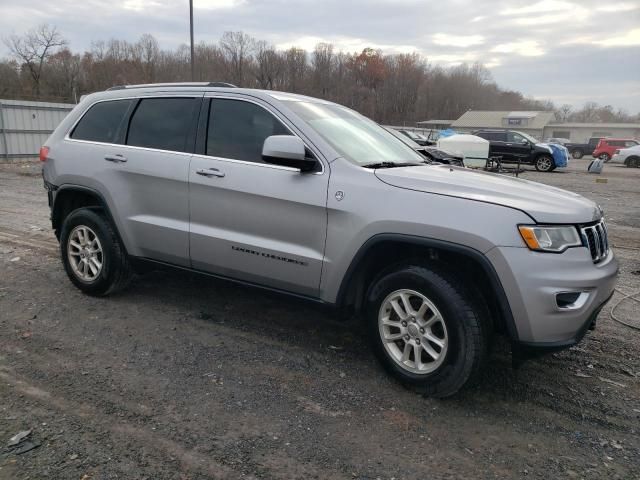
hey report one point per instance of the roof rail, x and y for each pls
(176, 84)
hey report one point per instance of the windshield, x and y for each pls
(352, 135)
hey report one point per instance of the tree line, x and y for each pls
(389, 88)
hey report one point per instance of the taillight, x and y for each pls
(44, 153)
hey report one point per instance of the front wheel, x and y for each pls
(604, 157)
(577, 154)
(92, 254)
(633, 162)
(427, 330)
(544, 163)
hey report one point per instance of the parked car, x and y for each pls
(515, 146)
(416, 137)
(579, 150)
(559, 141)
(312, 199)
(431, 153)
(607, 146)
(627, 156)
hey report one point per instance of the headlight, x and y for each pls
(550, 239)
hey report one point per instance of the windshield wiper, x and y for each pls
(390, 165)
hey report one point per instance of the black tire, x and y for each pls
(467, 324)
(605, 157)
(544, 163)
(116, 271)
(633, 162)
(577, 154)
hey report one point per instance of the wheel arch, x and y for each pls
(71, 197)
(628, 160)
(383, 251)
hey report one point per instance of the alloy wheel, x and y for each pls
(85, 253)
(544, 164)
(413, 331)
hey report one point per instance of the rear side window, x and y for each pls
(494, 136)
(101, 122)
(238, 129)
(162, 123)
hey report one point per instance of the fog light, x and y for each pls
(571, 300)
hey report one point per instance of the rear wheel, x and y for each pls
(577, 154)
(427, 330)
(633, 162)
(544, 163)
(604, 157)
(92, 254)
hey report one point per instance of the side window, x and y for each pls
(514, 137)
(238, 129)
(162, 123)
(498, 136)
(630, 143)
(101, 122)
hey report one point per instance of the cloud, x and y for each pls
(545, 6)
(526, 48)
(216, 4)
(618, 7)
(630, 38)
(345, 44)
(517, 39)
(457, 40)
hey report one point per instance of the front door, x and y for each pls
(519, 147)
(250, 220)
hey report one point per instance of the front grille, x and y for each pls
(596, 238)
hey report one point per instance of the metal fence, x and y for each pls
(25, 126)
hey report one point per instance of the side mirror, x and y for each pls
(288, 151)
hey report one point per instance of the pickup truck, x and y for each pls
(578, 150)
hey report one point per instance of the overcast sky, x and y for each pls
(565, 51)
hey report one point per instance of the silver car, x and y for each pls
(309, 198)
(627, 156)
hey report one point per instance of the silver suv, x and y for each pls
(310, 198)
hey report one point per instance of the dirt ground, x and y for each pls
(186, 377)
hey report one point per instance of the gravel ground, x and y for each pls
(186, 377)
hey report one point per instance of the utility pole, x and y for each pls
(191, 28)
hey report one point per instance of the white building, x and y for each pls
(581, 132)
(542, 124)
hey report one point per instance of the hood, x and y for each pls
(543, 203)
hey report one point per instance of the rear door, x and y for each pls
(250, 220)
(146, 176)
(498, 145)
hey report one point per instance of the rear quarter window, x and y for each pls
(101, 123)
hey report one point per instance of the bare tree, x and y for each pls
(323, 63)
(296, 69)
(238, 47)
(34, 48)
(564, 112)
(269, 66)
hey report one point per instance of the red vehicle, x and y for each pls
(607, 146)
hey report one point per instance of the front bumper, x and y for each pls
(532, 281)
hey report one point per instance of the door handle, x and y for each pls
(117, 158)
(210, 172)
